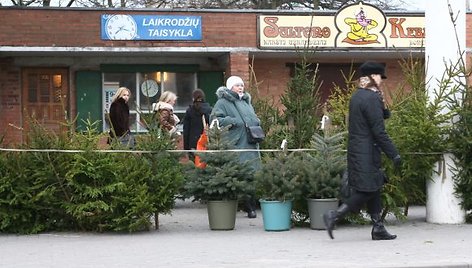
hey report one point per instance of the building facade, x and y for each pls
(58, 63)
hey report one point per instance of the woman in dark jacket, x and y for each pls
(119, 117)
(234, 109)
(367, 138)
(193, 123)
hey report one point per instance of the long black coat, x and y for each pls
(119, 117)
(367, 138)
(193, 125)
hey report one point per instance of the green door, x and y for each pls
(89, 98)
(209, 82)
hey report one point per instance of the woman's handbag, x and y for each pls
(255, 134)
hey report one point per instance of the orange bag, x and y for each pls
(201, 145)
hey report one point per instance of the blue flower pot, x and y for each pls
(276, 215)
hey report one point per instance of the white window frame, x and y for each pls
(109, 88)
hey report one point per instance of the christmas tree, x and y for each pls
(224, 177)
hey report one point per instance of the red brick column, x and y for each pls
(238, 65)
(10, 102)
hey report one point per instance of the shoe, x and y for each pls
(251, 208)
(378, 229)
(251, 214)
(331, 216)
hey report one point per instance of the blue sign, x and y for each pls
(149, 27)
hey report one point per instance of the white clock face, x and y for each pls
(149, 88)
(121, 27)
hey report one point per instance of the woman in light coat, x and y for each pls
(165, 113)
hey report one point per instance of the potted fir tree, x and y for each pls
(278, 183)
(221, 183)
(323, 180)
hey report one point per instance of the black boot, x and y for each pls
(378, 230)
(331, 216)
(251, 208)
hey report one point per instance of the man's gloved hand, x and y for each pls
(397, 162)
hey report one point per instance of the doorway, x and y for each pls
(45, 94)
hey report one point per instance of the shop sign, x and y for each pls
(149, 27)
(355, 26)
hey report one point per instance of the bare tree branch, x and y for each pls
(220, 4)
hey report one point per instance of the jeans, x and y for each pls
(127, 140)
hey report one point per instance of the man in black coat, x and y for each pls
(367, 138)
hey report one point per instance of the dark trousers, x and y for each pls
(372, 200)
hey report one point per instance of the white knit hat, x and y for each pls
(233, 80)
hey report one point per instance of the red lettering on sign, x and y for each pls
(399, 32)
(273, 30)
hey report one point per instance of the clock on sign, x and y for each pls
(121, 27)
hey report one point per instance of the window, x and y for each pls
(182, 84)
(146, 88)
(45, 97)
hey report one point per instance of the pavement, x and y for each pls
(185, 240)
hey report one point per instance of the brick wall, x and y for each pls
(10, 101)
(272, 76)
(238, 65)
(77, 28)
(395, 78)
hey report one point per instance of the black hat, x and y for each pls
(370, 67)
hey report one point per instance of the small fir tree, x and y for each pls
(281, 176)
(418, 127)
(328, 165)
(164, 177)
(302, 102)
(224, 177)
(267, 110)
(338, 101)
(460, 136)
